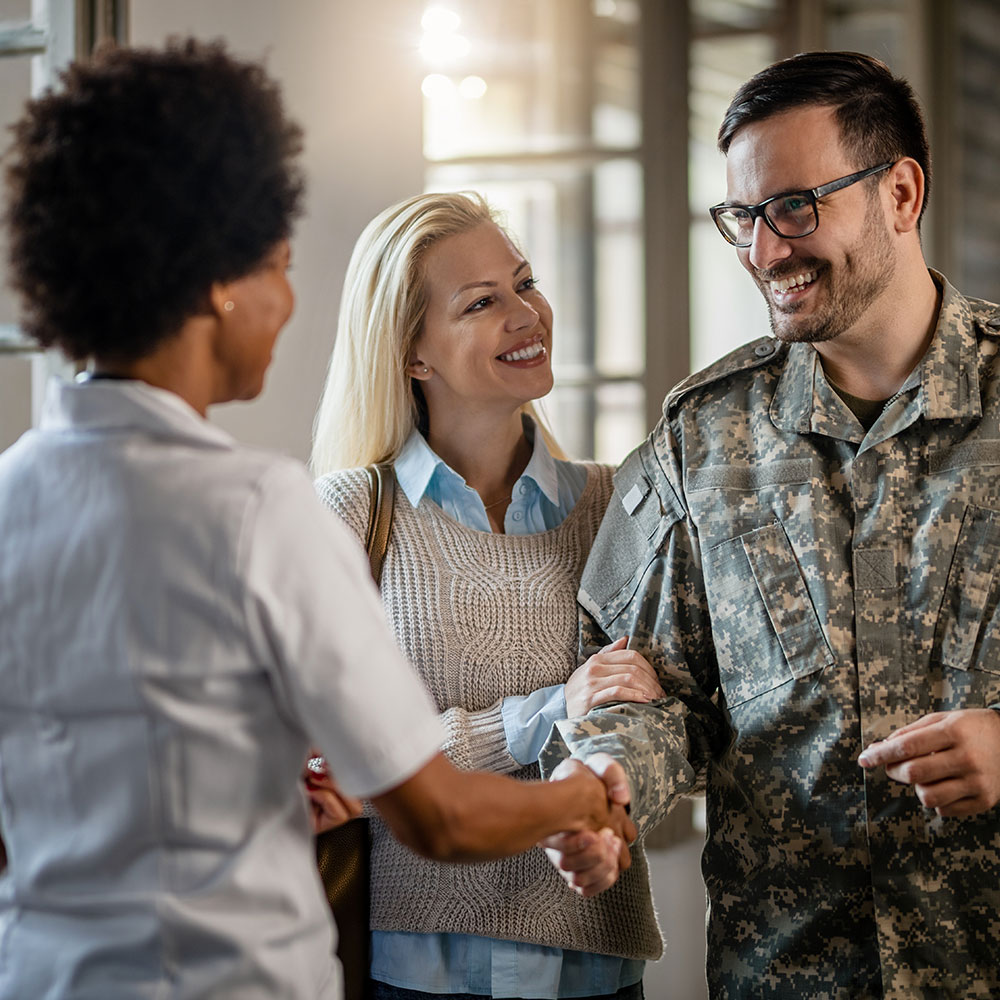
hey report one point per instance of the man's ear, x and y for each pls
(906, 190)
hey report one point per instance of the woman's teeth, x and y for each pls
(524, 353)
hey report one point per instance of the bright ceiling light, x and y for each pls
(443, 48)
(472, 87)
(437, 87)
(440, 21)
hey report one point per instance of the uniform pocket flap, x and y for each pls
(968, 610)
(789, 607)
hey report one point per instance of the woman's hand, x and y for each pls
(614, 673)
(329, 806)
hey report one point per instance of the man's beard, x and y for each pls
(860, 280)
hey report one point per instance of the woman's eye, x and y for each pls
(480, 304)
(529, 283)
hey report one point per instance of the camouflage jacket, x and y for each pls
(804, 588)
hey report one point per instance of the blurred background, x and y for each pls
(592, 124)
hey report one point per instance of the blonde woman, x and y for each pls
(444, 340)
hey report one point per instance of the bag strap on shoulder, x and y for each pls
(382, 482)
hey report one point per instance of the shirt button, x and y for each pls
(763, 350)
(518, 515)
(523, 489)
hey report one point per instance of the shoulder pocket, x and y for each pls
(634, 527)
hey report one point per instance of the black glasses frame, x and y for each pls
(759, 211)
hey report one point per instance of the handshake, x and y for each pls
(591, 860)
(580, 816)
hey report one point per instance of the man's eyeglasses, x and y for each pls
(791, 215)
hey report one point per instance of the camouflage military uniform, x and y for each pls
(803, 589)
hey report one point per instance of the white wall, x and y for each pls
(351, 77)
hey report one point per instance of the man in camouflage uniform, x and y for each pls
(806, 548)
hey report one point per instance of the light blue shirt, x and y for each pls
(546, 492)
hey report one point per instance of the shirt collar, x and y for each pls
(417, 466)
(126, 404)
(949, 372)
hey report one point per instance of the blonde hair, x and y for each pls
(369, 408)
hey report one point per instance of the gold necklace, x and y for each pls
(487, 506)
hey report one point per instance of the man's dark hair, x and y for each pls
(148, 176)
(879, 117)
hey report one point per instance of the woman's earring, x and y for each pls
(426, 369)
(229, 305)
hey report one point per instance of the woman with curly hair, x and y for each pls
(444, 340)
(178, 611)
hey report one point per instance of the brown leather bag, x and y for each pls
(342, 853)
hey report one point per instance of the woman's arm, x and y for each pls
(613, 673)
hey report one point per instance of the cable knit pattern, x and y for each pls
(483, 616)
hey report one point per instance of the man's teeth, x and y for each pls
(524, 353)
(793, 281)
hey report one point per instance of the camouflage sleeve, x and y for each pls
(643, 580)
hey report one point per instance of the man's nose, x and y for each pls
(767, 247)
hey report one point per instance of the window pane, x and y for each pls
(619, 425)
(616, 121)
(570, 410)
(15, 89)
(710, 15)
(620, 335)
(18, 11)
(15, 372)
(529, 76)
(726, 308)
(718, 67)
(558, 78)
(876, 28)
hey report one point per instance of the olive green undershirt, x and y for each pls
(866, 410)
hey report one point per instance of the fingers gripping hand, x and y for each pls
(590, 861)
(952, 760)
(328, 806)
(614, 673)
(331, 809)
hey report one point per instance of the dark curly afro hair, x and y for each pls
(150, 175)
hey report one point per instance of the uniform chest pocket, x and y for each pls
(967, 636)
(764, 623)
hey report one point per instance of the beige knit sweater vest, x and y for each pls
(482, 616)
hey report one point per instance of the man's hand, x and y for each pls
(591, 861)
(613, 673)
(329, 806)
(952, 759)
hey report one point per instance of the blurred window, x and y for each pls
(535, 103)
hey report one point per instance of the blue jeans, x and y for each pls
(383, 991)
